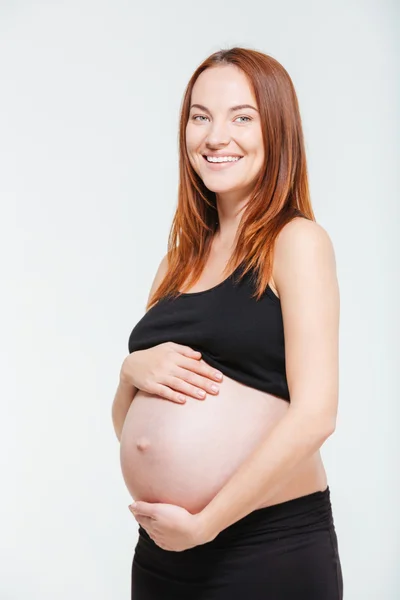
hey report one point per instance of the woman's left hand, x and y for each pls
(170, 527)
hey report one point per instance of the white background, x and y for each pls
(89, 105)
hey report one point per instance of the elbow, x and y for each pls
(320, 429)
(317, 426)
(325, 425)
(328, 428)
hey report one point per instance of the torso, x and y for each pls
(184, 454)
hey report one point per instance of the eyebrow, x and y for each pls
(232, 109)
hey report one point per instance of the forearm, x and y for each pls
(123, 399)
(265, 471)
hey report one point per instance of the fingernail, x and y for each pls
(218, 375)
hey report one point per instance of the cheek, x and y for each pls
(258, 153)
(195, 137)
(253, 142)
(192, 156)
(192, 139)
(194, 162)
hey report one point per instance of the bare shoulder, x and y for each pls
(303, 252)
(159, 276)
(302, 233)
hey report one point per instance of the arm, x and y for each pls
(125, 391)
(122, 400)
(305, 275)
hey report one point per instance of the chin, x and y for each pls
(221, 188)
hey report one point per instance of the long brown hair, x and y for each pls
(281, 191)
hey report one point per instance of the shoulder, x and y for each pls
(303, 252)
(163, 266)
(159, 276)
(302, 235)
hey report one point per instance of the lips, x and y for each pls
(221, 156)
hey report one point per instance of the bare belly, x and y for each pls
(184, 454)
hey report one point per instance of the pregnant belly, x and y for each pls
(184, 454)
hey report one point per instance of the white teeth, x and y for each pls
(222, 158)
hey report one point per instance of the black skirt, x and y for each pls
(287, 551)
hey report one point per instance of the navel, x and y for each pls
(142, 443)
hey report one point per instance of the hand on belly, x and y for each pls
(184, 454)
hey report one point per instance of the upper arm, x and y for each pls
(305, 275)
(159, 276)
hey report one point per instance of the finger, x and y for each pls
(186, 351)
(145, 522)
(202, 368)
(179, 384)
(168, 394)
(196, 381)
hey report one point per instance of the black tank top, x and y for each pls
(235, 333)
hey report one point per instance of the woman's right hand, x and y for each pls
(171, 371)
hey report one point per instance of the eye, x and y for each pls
(197, 116)
(201, 117)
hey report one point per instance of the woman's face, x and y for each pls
(218, 126)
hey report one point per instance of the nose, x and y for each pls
(218, 135)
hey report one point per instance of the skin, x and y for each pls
(304, 278)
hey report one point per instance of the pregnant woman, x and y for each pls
(230, 387)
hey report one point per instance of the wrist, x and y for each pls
(205, 531)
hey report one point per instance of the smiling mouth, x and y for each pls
(233, 159)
